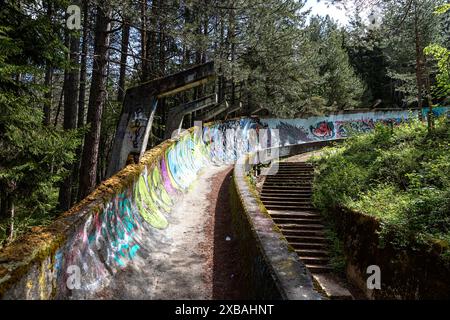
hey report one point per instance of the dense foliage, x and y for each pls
(400, 175)
(32, 155)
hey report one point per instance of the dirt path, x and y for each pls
(192, 258)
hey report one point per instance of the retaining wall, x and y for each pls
(405, 274)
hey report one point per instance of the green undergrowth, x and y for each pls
(336, 250)
(399, 175)
(41, 214)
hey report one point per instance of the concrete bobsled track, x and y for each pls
(121, 234)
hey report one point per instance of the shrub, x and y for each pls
(400, 176)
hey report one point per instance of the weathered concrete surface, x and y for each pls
(179, 267)
(136, 117)
(418, 273)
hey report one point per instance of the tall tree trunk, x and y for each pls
(48, 82)
(152, 56)
(48, 78)
(70, 115)
(231, 42)
(199, 50)
(60, 101)
(103, 144)
(221, 80)
(11, 224)
(419, 60)
(88, 170)
(81, 96)
(83, 65)
(144, 61)
(123, 59)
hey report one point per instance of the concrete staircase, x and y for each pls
(287, 197)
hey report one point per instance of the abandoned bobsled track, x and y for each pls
(159, 229)
(189, 256)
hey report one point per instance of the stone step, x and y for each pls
(300, 218)
(300, 189)
(300, 196)
(332, 286)
(281, 192)
(288, 202)
(277, 180)
(285, 197)
(303, 232)
(306, 227)
(298, 169)
(286, 187)
(295, 164)
(312, 253)
(303, 194)
(282, 207)
(292, 164)
(313, 268)
(290, 193)
(289, 185)
(288, 172)
(305, 246)
(284, 182)
(293, 168)
(319, 261)
(306, 239)
(306, 214)
(293, 220)
(290, 178)
(291, 174)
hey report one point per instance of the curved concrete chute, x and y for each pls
(125, 230)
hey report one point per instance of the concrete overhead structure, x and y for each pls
(139, 108)
(176, 114)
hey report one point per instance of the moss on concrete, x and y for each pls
(17, 258)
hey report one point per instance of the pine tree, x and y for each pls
(97, 98)
(365, 50)
(410, 26)
(339, 86)
(32, 154)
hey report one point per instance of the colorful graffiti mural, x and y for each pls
(323, 130)
(437, 111)
(129, 224)
(295, 131)
(136, 127)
